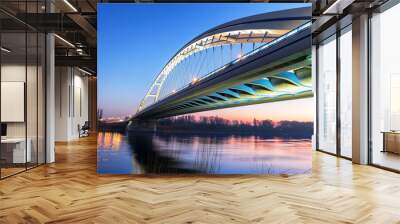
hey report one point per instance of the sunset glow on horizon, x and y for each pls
(290, 110)
(293, 110)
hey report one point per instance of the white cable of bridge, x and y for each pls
(200, 64)
(182, 58)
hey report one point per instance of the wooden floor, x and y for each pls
(387, 159)
(70, 191)
(5, 172)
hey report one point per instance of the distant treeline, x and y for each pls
(116, 127)
(213, 124)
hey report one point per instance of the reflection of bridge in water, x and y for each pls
(257, 59)
(201, 154)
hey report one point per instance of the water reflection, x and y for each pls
(152, 160)
(109, 140)
(216, 154)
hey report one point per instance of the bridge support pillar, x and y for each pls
(138, 125)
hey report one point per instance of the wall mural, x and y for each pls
(204, 89)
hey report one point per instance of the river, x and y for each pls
(119, 153)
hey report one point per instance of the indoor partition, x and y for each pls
(327, 95)
(22, 87)
(346, 95)
(334, 92)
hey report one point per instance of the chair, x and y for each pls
(84, 130)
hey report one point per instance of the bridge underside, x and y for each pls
(266, 90)
(283, 86)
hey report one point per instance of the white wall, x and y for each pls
(13, 101)
(71, 102)
(61, 103)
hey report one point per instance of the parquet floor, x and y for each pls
(70, 191)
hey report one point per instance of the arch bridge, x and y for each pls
(256, 59)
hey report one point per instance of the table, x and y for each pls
(19, 154)
(391, 141)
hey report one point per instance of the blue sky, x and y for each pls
(136, 40)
